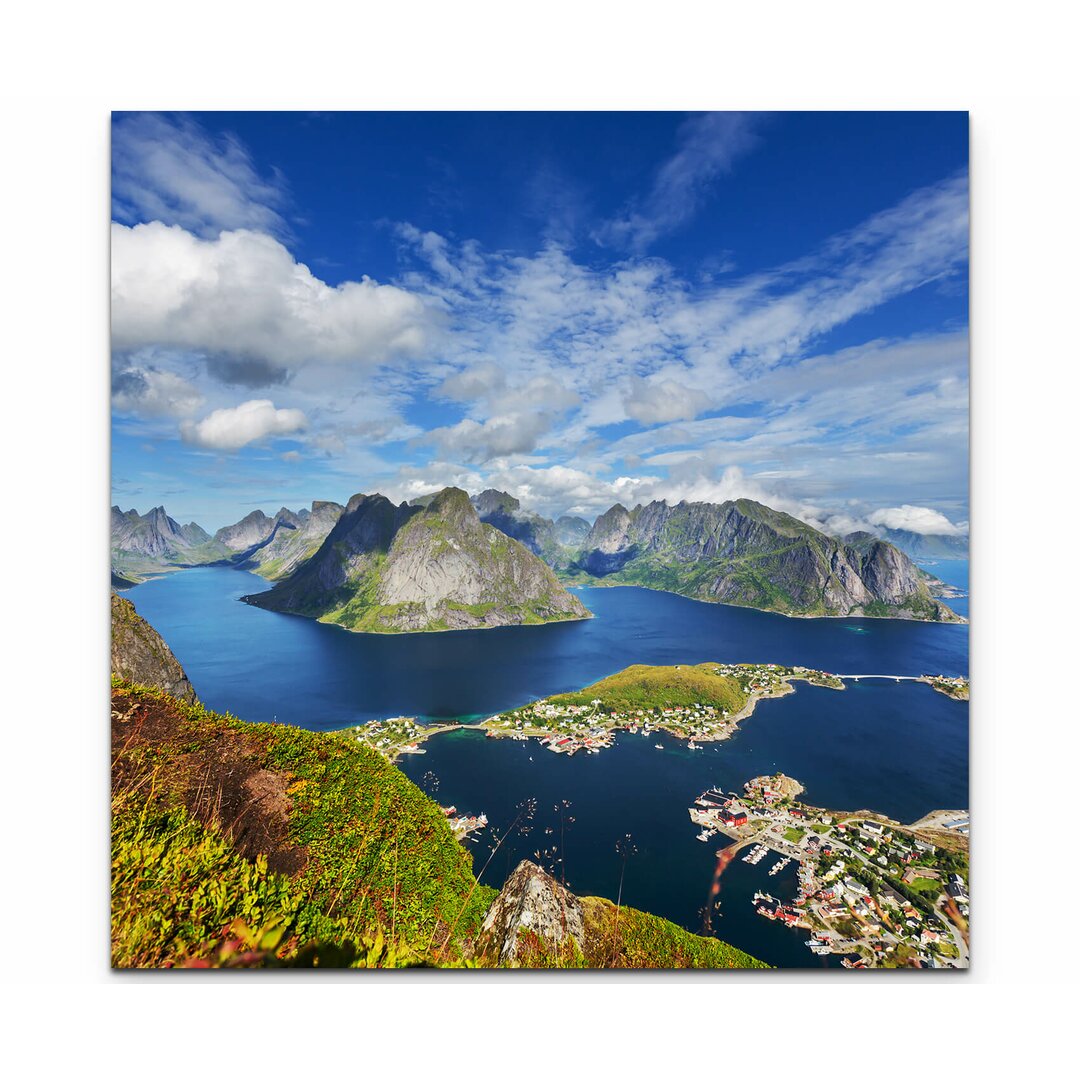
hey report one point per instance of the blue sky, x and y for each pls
(579, 308)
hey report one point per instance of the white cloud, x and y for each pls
(501, 436)
(917, 519)
(169, 169)
(709, 145)
(148, 391)
(249, 307)
(660, 401)
(252, 421)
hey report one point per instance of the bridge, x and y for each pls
(897, 678)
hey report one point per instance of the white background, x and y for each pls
(64, 69)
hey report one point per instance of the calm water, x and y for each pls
(952, 572)
(899, 748)
(261, 665)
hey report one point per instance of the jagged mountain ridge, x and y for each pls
(274, 547)
(918, 546)
(387, 568)
(145, 544)
(254, 529)
(742, 552)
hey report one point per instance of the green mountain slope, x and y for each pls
(747, 554)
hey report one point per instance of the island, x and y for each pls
(959, 689)
(873, 890)
(696, 702)
(700, 703)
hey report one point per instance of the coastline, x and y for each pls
(958, 620)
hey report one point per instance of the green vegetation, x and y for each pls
(250, 845)
(925, 885)
(643, 686)
(640, 940)
(369, 854)
(793, 834)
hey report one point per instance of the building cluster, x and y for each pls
(398, 735)
(867, 891)
(565, 728)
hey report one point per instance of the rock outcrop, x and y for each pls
(748, 554)
(533, 913)
(141, 656)
(387, 568)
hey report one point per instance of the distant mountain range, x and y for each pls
(147, 544)
(437, 566)
(436, 563)
(918, 546)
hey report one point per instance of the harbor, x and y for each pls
(873, 891)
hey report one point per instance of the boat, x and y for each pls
(659, 747)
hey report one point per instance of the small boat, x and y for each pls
(659, 747)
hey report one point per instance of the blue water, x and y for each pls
(262, 665)
(952, 572)
(899, 748)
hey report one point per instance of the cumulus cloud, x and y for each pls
(150, 392)
(252, 421)
(709, 145)
(499, 437)
(917, 519)
(169, 169)
(243, 302)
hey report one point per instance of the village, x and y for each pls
(566, 728)
(396, 736)
(877, 893)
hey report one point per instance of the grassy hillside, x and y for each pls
(302, 833)
(253, 845)
(648, 686)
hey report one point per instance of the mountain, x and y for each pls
(503, 512)
(745, 553)
(254, 529)
(917, 546)
(292, 541)
(571, 532)
(150, 543)
(274, 547)
(387, 568)
(139, 654)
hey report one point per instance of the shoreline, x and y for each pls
(495, 726)
(959, 620)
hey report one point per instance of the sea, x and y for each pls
(899, 748)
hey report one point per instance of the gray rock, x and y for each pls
(139, 654)
(531, 903)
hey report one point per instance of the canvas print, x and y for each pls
(540, 540)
